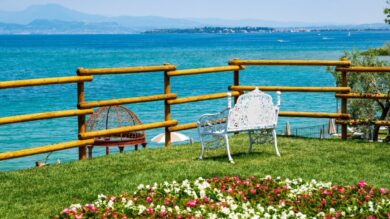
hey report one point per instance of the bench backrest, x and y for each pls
(253, 110)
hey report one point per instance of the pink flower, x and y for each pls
(323, 201)
(367, 197)
(148, 199)
(371, 217)
(166, 201)
(276, 190)
(206, 199)
(341, 189)
(191, 203)
(326, 192)
(65, 211)
(382, 190)
(216, 179)
(163, 213)
(361, 184)
(91, 207)
(150, 210)
(79, 216)
(253, 191)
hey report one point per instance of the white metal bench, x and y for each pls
(254, 113)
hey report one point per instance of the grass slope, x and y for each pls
(42, 192)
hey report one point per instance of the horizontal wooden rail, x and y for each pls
(314, 115)
(290, 62)
(44, 81)
(45, 115)
(201, 98)
(291, 89)
(124, 70)
(364, 69)
(363, 96)
(45, 149)
(283, 114)
(87, 105)
(183, 127)
(204, 70)
(102, 133)
(363, 122)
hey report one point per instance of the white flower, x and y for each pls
(141, 209)
(102, 197)
(129, 203)
(110, 204)
(261, 209)
(140, 186)
(77, 206)
(233, 207)
(225, 210)
(212, 216)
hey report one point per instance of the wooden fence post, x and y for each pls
(344, 102)
(81, 118)
(167, 107)
(236, 81)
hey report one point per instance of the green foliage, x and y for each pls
(366, 83)
(41, 192)
(384, 51)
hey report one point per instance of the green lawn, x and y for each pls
(42, 192)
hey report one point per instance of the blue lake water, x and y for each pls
(24, 57)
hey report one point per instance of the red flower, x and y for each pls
(148, 199)
(150, 210)
(253, 191)
(341, 189)
(163, 213)
(91, 207)
(191, 203)
(323, 201)
(361, 184)
(65, 211)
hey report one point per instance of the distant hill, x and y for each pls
(64, 27)
(56, 19)
(60, 13)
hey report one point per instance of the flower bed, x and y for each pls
(233, 197)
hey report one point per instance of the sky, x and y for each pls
(313, 11)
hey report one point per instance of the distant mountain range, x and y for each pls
(56, 19)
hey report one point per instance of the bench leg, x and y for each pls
(250, 142)
(228, 148)
(275, 143)
(202, 149)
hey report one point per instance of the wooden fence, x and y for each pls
(235, 66)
